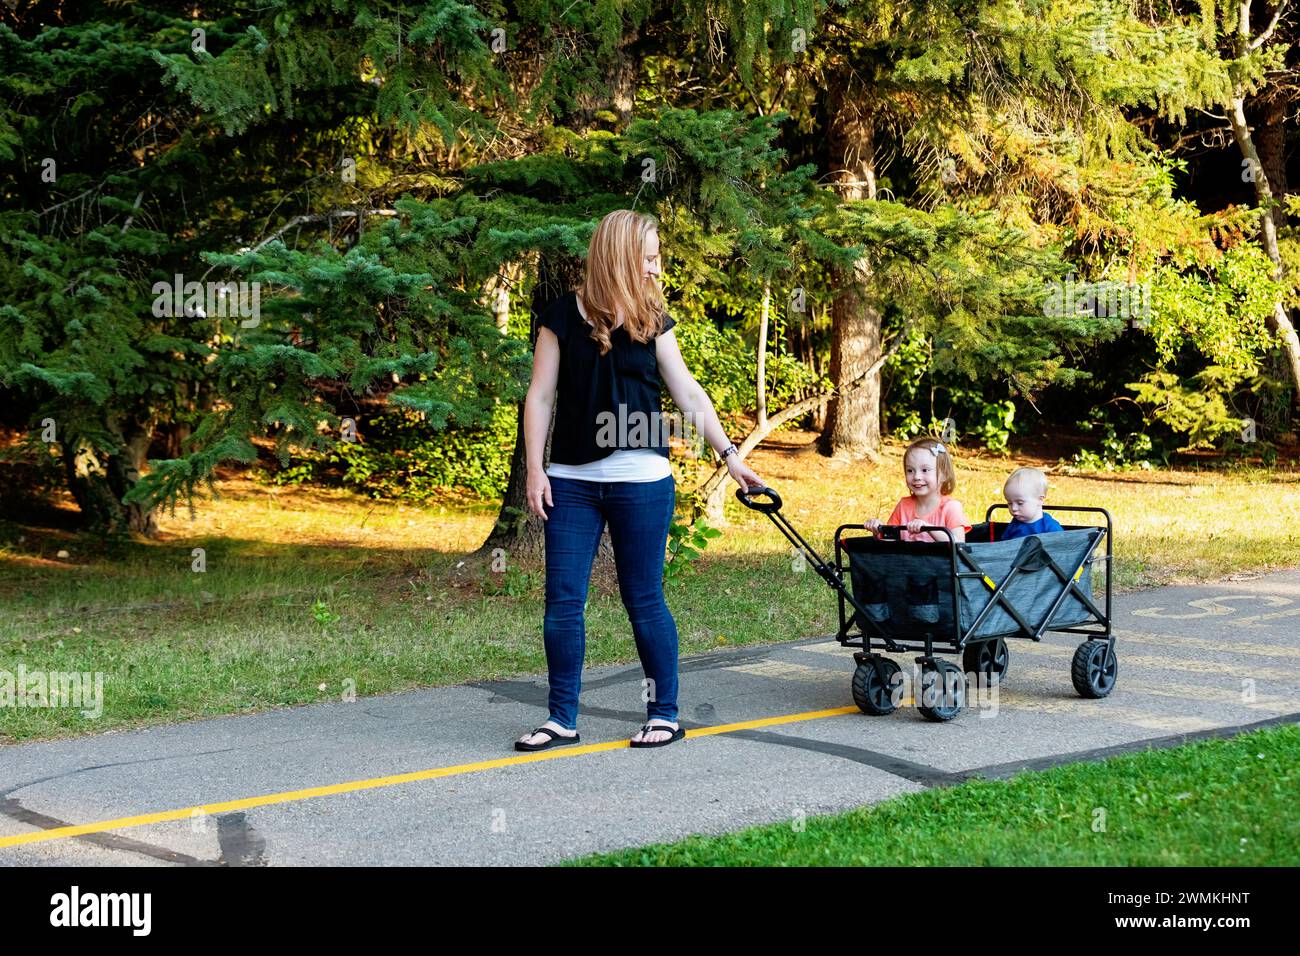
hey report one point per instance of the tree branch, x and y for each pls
(794, 411)
(1272, 25)
(322, 217)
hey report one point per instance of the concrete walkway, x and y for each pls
(772, 734)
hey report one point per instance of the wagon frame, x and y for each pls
(877, 678)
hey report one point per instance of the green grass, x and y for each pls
(248, 633)
(1211, 803)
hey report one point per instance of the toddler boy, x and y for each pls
(1025, 491)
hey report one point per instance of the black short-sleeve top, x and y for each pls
(603, 402)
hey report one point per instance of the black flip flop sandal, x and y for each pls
(557, 740)
(677, 734)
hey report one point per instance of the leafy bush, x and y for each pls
(723, 363)
(398, 455)
(1121, 448)
(1195, 409)
(685, 544)
(974, 415)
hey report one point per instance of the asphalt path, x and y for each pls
(431, 777)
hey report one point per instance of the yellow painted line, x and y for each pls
(766, 722)
(290, 796)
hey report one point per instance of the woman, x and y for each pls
(603, 354)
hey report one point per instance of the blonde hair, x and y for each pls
(943, 466)
(1034, 479)
(615, 280)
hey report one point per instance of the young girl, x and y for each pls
(930, 474)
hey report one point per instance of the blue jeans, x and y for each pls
(639, 513)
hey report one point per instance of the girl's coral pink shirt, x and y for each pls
(949, 514)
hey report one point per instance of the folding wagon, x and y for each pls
(961, 597)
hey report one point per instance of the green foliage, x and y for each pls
(1120, 449)
(513, 582)
(1018, 160)
(685, 544)
(320, 611)
(972, 284)
(399, 456)
(720, 361)
(1221, 309)
(973, 415)
(386, 311)
(298, 52)
(988, 422)
(1194, 409)
(723, 363)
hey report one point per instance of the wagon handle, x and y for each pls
(771, 506)
(892, 532)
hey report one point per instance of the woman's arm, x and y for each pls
(697, 406)
(537, 416)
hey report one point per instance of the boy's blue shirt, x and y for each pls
(1018, 529)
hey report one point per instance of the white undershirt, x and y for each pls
(626, 464)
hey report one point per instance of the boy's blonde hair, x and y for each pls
(943, 466)
(1032, 478)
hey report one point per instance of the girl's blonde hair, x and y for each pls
(943, 466)
(615, 279)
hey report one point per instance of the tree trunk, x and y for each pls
(498, 291)
(1280, 320)
(169, 439)
(760, 383)
(1269, 112)
(99, 483)
(818, 413)
(516, 530)
(852, 428)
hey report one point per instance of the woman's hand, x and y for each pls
(742, 473)
(539, 490)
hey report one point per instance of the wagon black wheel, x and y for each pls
(873, 686)
(943, 691)
(987, 657)
(1094, 670)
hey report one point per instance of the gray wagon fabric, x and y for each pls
(907, 587)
